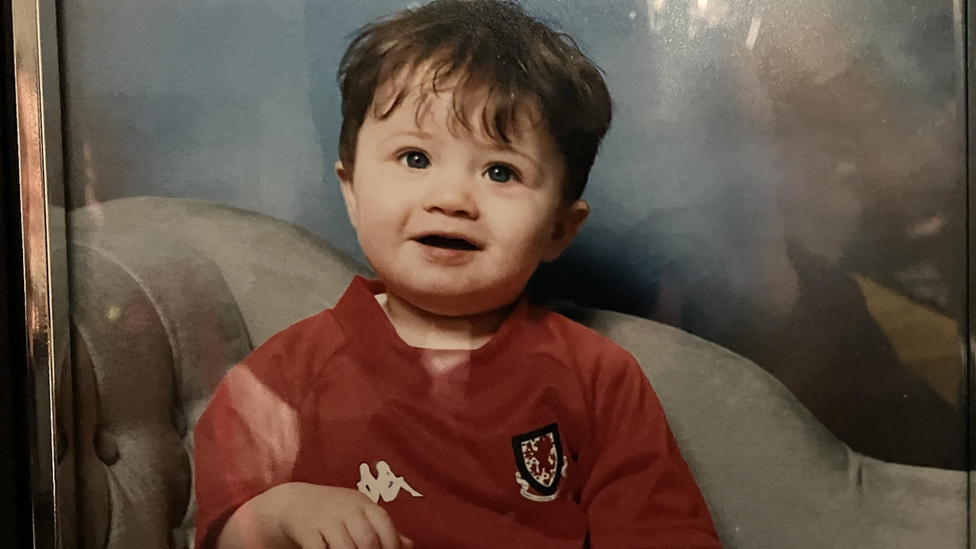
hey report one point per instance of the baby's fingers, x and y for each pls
(364, 533)
(405, 542)
(337, 537)
(309, 539)
(383, 526)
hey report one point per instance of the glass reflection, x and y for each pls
(793, 176)
(785, 179)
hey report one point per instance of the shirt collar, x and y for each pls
(367, 325)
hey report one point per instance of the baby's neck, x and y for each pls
(422, 329)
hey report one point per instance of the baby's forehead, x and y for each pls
(461, 105)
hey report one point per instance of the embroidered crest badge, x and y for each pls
(540, 463)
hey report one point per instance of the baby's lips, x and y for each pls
(449, 240)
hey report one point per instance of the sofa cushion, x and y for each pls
(156, 329)
(166, 295)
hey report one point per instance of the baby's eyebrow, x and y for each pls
(495, 146)
(400, 134)
(413, 133)
(508, 148)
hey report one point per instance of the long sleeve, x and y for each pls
(639, 493)
(246, 441)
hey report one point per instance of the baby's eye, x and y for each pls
(500, 173)
(415, 159)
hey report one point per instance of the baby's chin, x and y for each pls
(454, 301)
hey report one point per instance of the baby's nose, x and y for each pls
(452, 197)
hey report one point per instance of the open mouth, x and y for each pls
(447, 242)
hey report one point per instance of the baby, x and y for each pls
(435, 407)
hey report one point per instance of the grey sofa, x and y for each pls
(167, 294)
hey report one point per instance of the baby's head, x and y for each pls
(468, 134)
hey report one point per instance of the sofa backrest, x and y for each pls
(167, 294)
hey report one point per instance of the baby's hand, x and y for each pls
(311, 517)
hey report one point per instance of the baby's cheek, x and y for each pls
(372, 247)
(538, 244)
(380, 229)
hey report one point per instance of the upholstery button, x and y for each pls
(106, 448)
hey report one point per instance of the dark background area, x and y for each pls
(15, 518)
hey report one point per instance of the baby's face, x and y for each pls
(452, 221)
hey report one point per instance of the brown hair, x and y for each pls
(481, 46)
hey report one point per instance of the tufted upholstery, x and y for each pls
(167, 294)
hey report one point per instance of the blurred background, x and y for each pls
(786, 179)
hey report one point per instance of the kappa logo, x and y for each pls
(540, 463)
(385, 485)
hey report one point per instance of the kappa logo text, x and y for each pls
(385, 485)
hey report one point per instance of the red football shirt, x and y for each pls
(548, 436)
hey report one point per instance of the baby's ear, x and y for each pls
(345, 176)
(345, 182)
(569, 220)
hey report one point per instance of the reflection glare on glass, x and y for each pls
(783, 178)
(788, 175)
